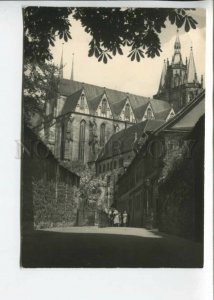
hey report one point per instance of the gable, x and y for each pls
(127, 113)
(171, 114)
(82, 104)
(103, 108)
(149, 113)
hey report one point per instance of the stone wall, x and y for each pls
(48, 189)
(181, 194)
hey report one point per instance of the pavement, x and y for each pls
(109, 247)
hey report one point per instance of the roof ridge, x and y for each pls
(111, 89)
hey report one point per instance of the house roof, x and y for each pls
(93, 104)
(159, 105)
(162, 115)
(140, 111)
(123, 141)
(118, 106)
(92, 92)
(71, 102)
(182, 113)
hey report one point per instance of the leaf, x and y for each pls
(187, 27)
(91, 52)
(120, 51)
(100, 57)
(133, 56)
(105, 59)
(138, 56)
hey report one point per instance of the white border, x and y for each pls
(148, 284)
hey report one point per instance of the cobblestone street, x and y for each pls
(108, 247)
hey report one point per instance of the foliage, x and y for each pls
(91, 187)
(41, 27)
(50, 210)
(111, 30)
(40, 86)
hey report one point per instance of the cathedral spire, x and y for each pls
(191, 69)
(177, 59)
(163, 77)
(177, 45)
(61, 65)
(72, 67)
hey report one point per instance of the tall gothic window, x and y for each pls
(102, 134)
(82, 101)
(82, 140)
(62, 148)
(149, 113)
(127, 111)
(104, 107)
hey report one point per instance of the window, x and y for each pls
(102, 134)
(100, 169)
(121, 162)
(127, 111)
(115, 164)
(149, 113)
(104, 107)
(82, 101)
(82, 140)
(62, 149)
(104, 168)
(111, 165)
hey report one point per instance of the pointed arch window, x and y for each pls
(127, 111)
(149, 113)
(62, 148)
(104, 106)
(102, 134)
(82, 101)
(82, 140)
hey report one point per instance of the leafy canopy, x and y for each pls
(111, 29)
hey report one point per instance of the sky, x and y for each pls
(120, 73)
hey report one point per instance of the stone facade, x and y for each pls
(138, 189)
(179, 83)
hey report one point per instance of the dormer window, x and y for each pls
(82, 101)
(104, 107)
(127, 111)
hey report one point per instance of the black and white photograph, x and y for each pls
(112, 138)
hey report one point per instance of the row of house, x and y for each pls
(177, 209)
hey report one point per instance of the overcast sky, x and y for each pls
(120, 73)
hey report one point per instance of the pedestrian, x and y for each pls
(120, 219)
(125, 218)
(116, 218)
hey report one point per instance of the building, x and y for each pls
(179, 83)
(120, 150)
(138, 189)
(86, 116)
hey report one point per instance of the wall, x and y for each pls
(181, 200)
(48, 189)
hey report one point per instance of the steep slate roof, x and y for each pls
(159, 105)
(69, 87)
(140, 111)
(162, 115)
(123, 141)
(93, 104)
(118, 106)
(71, 102)
(182, 113)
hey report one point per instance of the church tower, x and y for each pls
(178, 83)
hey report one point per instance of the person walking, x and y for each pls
(116, 218)
(125, 218)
